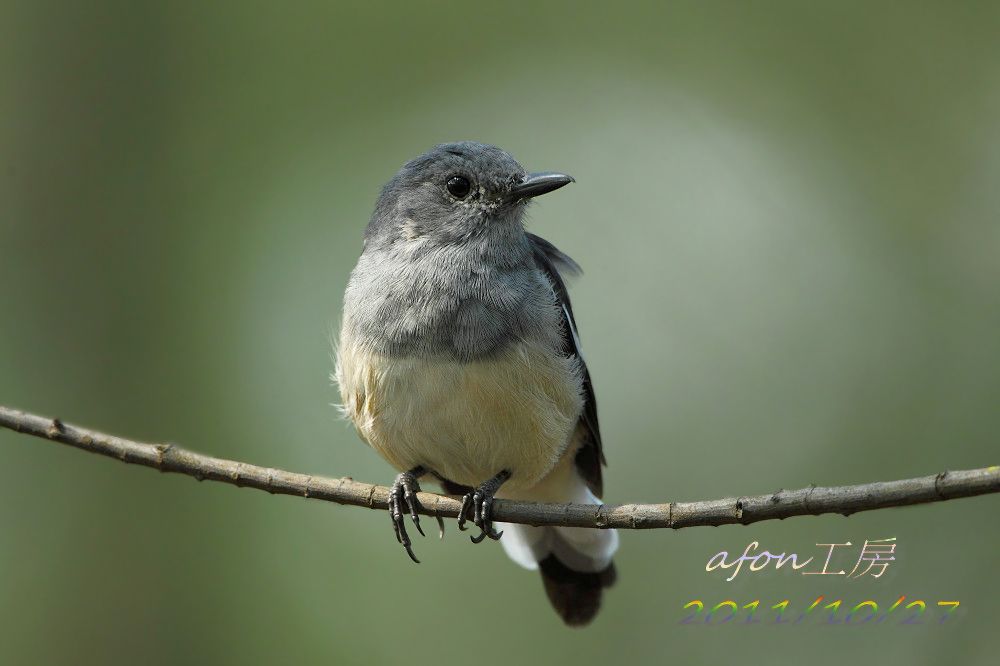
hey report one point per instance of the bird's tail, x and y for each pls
(575, 562)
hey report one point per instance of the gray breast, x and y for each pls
(450, 302)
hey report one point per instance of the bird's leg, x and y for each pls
(404, 493)
(481, 501)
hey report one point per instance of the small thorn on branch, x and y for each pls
(56, 428)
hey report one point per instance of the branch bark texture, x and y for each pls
(814, 500)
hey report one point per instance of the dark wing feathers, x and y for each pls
(550, 258)
(590, 457)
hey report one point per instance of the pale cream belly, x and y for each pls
(464, 421)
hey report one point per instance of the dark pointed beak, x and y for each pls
(535, 184)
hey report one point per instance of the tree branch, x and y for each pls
(813, 500)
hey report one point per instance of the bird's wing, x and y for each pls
(590, 456)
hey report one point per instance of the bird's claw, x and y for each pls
(481, 502)
(403, 494)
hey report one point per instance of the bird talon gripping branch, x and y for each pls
(482, 502)
(403, 493)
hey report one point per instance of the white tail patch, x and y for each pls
(579, 548)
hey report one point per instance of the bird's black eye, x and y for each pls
(459, 187)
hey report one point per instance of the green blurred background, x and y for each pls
(788, 218)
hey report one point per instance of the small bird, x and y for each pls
(459, 359)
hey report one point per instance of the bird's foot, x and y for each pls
(403, 494)
(481, 501)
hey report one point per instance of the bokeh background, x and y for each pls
(788, 217)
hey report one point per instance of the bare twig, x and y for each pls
(813, 500)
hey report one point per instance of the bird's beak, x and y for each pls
(535, 184)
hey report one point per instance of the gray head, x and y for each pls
(457, 192)
(447, 267)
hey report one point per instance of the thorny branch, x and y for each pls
(813, 500)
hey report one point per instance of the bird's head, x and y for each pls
(457, 191)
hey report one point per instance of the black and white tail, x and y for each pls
(575, 562)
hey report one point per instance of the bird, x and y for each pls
(459, 360)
